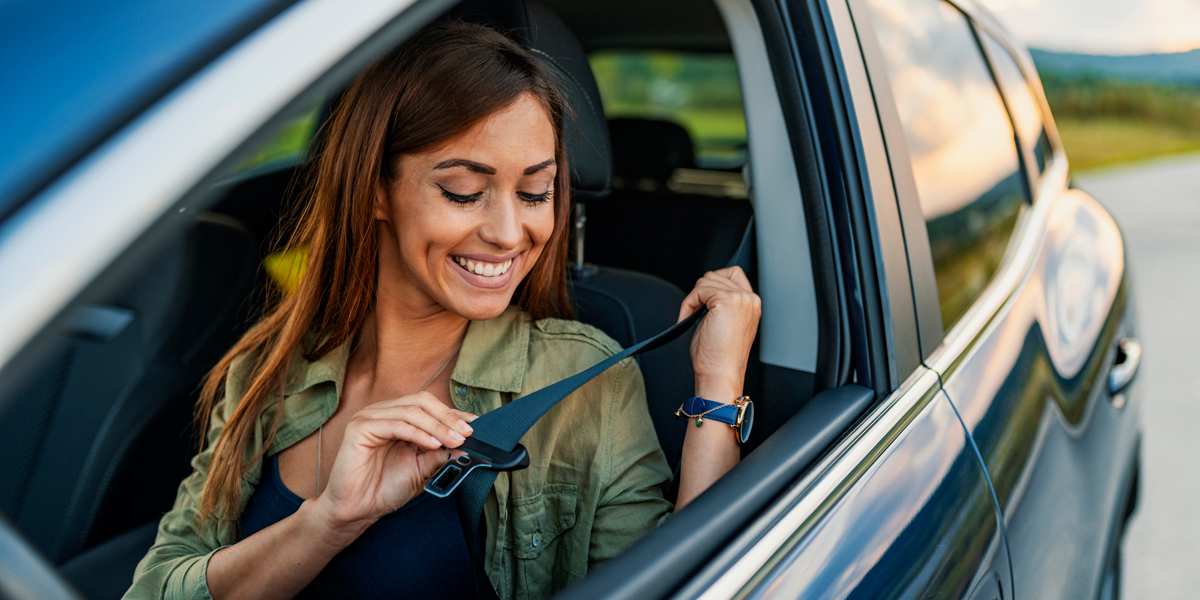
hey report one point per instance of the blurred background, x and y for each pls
(1123, 81)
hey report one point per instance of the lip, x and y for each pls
(487, 283)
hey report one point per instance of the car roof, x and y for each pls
(75, 71)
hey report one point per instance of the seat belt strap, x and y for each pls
(494, 444)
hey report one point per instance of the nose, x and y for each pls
(502, 225)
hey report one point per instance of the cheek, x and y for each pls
(542, 225)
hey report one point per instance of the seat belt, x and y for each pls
(494, 445)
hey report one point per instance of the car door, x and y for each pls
(901, 506)
(1023, 299)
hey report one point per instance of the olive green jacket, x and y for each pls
(594, 484)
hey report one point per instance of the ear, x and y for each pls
(383, 203)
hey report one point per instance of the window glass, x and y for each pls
(698, 91)
(960, 141)
(290, 143)
(1022, 104)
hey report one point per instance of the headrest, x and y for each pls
(541, 32)
(649, 148)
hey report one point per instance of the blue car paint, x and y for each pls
(919, 523)
(74, 71)
(1032, 391)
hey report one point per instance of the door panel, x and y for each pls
(920, 522)
(1032, 390)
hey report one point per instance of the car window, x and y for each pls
(290, 143)
(1022, 104)
(960, 141)
(698, 91)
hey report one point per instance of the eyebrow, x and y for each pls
(486, 170)
(539, 167)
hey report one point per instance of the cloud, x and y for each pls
(1104, 26)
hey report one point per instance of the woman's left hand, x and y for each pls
(721, 344)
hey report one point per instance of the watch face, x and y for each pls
(747, 422)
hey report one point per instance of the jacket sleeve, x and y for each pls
(176, 565)
(635, 470)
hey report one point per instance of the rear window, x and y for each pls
(698, 91)
(1022, 104)
(960, 141)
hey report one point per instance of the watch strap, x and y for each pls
(696, 405)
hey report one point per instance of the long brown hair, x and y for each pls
(428, 90)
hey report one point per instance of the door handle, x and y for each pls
(1124, 369)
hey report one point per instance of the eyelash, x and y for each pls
(527, 197)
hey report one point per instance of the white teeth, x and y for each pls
(485, 269)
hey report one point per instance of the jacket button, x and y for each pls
(461, 390)
(537, 539)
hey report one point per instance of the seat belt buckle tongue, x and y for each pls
(478, 455)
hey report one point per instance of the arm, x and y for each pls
(720, 349)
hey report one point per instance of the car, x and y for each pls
(945, 372)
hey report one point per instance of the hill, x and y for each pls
(1175, 68)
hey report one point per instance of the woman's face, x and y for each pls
(463, 224)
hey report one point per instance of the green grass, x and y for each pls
(1106, 141)
(1105, 122)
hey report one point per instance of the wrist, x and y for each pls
(718, 391)
(323, 523)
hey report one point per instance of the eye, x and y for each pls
(545, 196)
(459, 198)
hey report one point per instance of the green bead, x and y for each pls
(699, 422)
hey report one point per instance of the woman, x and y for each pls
(434, 291)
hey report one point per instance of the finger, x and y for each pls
(691, 303)
(374, 433)
(417, 416)
(453, 418)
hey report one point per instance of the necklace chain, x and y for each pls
(321, 429)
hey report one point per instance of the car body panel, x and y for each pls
(919, 522)
(1032, 391)
(84, 67)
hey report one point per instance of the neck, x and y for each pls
(400, 349)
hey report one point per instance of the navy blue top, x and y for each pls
(415, 552)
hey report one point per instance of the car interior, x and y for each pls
(100, 434)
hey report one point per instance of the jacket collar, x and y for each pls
(494, 356)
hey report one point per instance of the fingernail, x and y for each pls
(465, 427)
(436, 442)
(473, 417)
(456, 436)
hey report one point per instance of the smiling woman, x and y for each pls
(433, 290)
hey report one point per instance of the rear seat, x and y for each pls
(644, 225)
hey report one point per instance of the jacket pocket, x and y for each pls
(544, 554)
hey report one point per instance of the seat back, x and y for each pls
(120, 363)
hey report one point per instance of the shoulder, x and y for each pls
(559, 348)
(566, 334)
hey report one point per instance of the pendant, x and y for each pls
(679, 412)
(699, 421)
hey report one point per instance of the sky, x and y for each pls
(1104, 26)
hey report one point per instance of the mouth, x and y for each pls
(493, 274)
(483, 268)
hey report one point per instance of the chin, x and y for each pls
(479, 309)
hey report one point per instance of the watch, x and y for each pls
(739, 415)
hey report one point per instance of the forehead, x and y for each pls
(519, 134)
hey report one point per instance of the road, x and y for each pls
(1157, 205)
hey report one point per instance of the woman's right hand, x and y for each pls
(390, 449)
